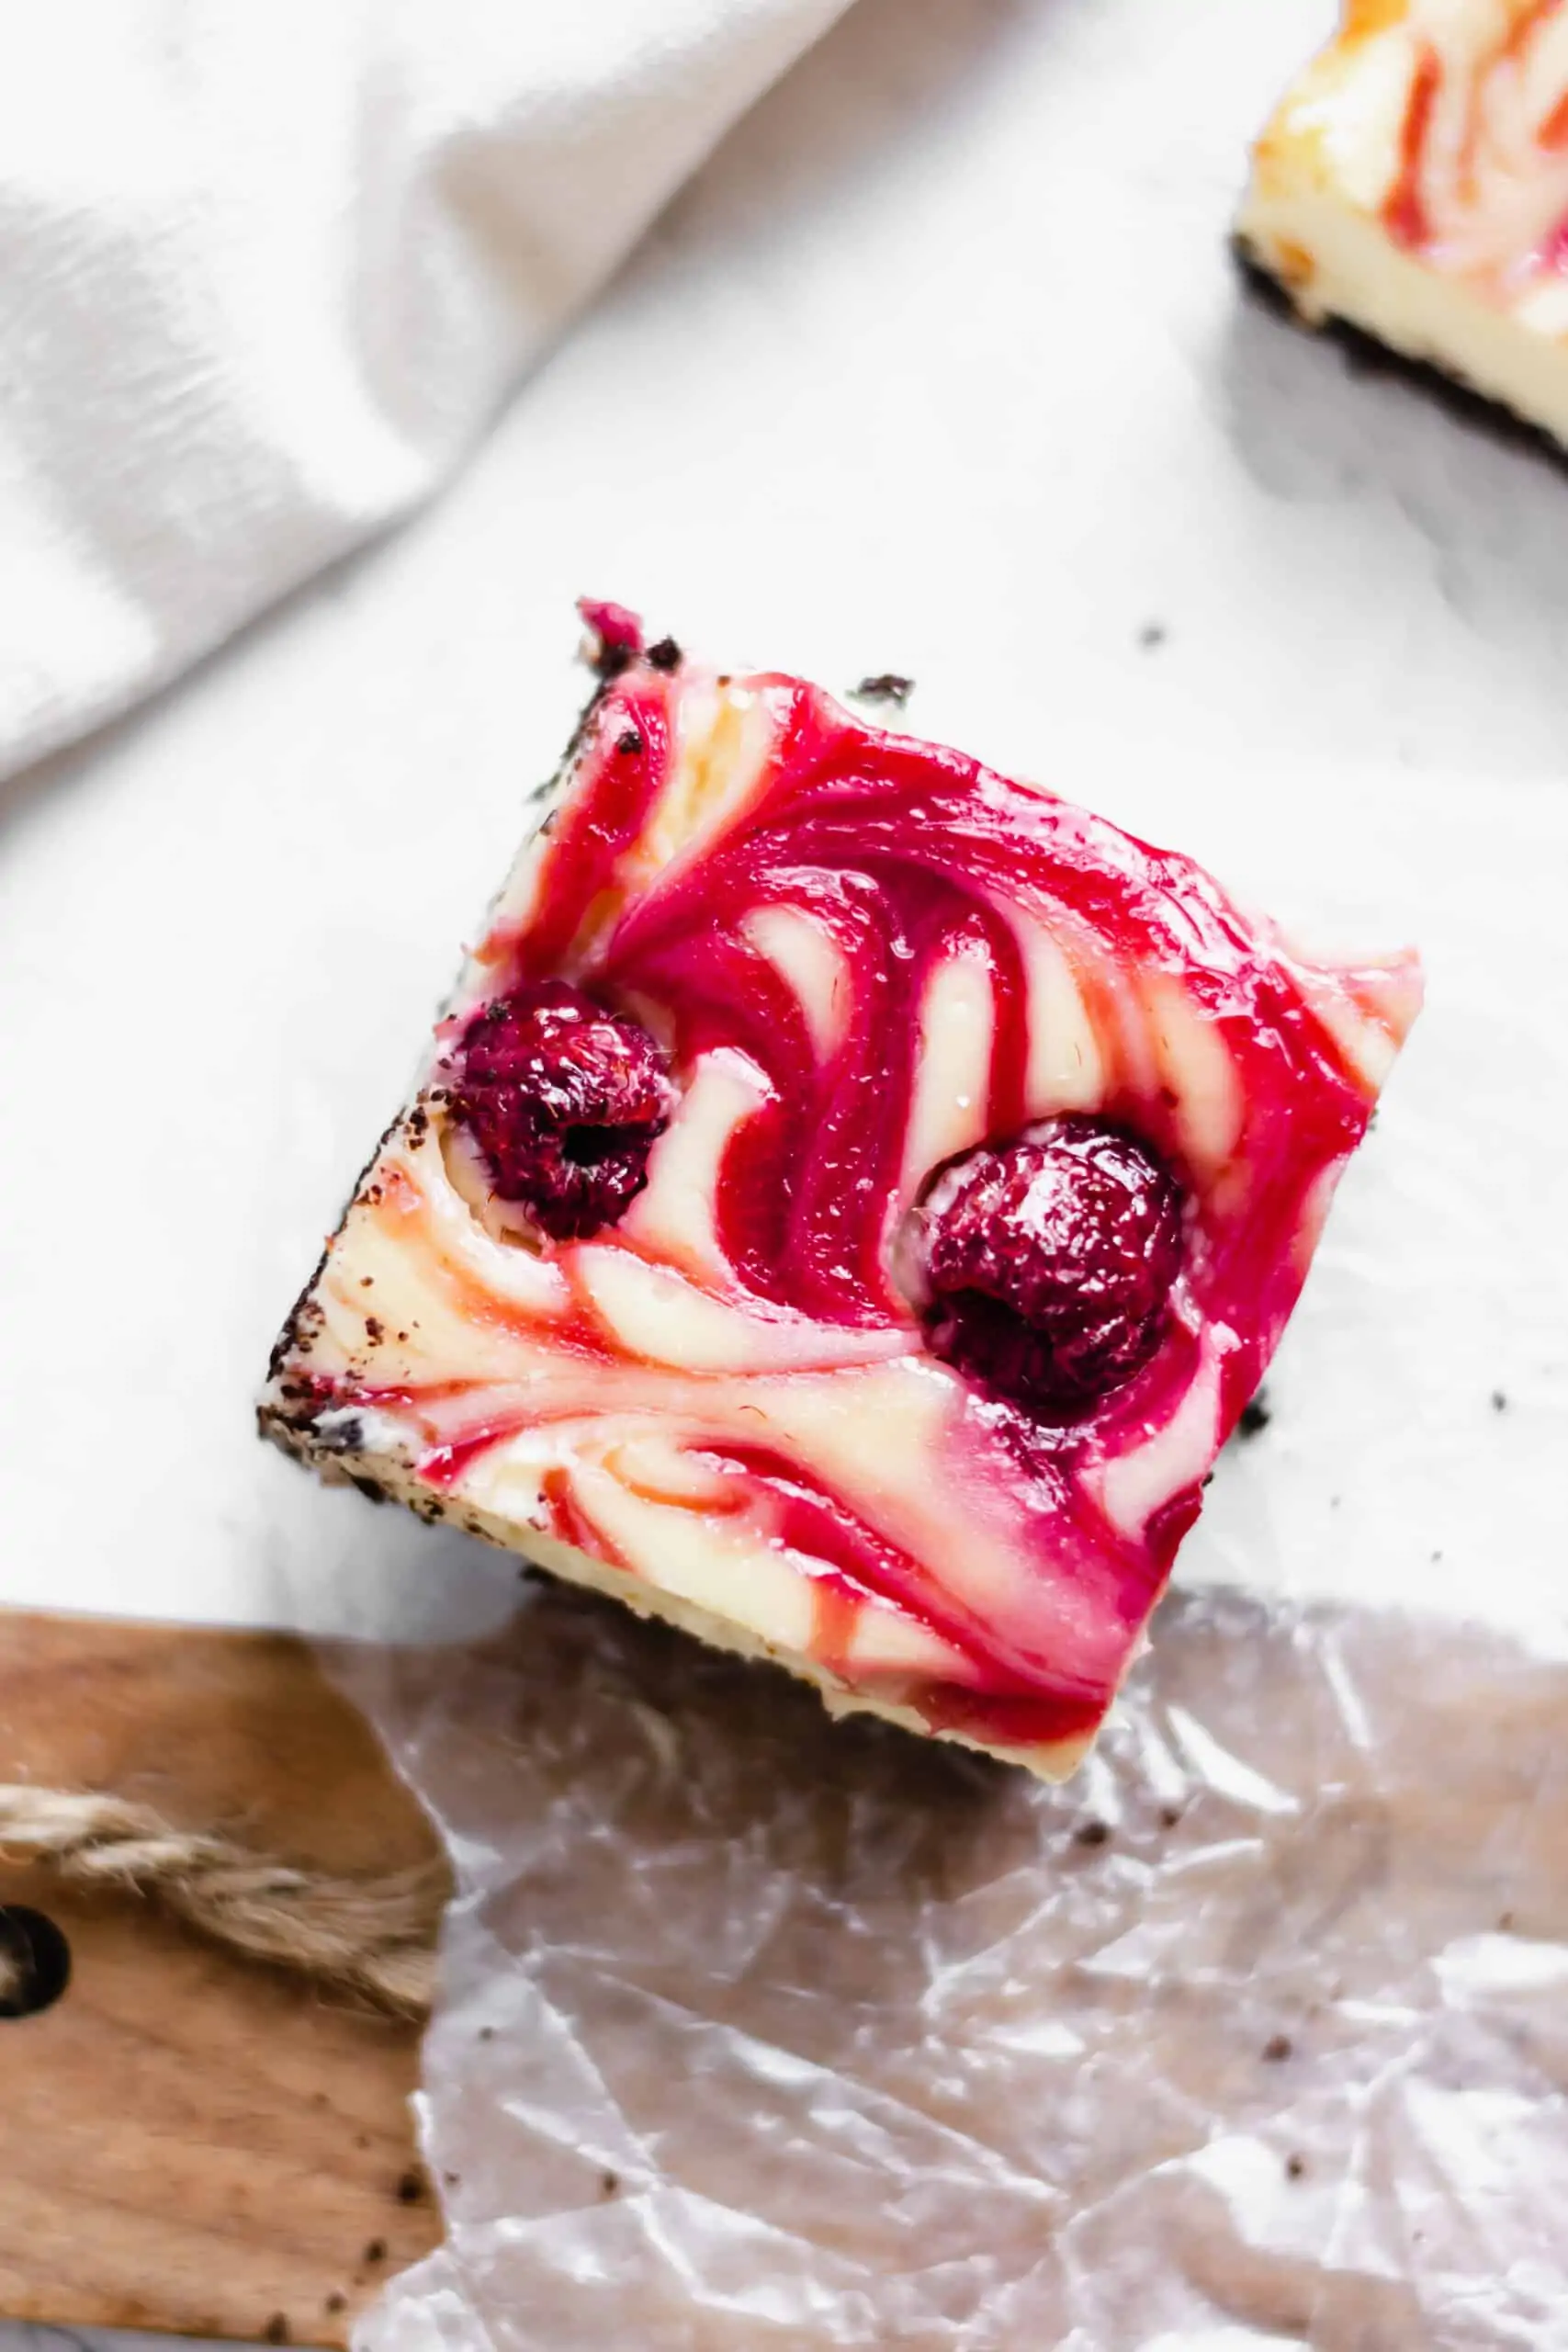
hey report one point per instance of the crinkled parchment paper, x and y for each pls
(752, 2035)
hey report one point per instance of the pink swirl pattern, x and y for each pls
(1482, 185)
(863, 955)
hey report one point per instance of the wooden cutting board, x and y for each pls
(188, 2142)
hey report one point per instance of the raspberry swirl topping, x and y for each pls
(1479, 177)
(918, 1173)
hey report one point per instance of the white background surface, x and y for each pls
(941, 366)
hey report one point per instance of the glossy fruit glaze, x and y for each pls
(892, 990)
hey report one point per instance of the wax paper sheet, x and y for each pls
(757, 2033)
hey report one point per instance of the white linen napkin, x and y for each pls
(265, 274)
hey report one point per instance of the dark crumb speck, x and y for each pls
(366, 1282)
(1499, 1401)
(376, 2252)
(335, 2302)
(628, 741)
(346, 1436)
(452, 2179)
(1504, 1923)
(1255, 1416)
(375, 1330)
(1295, 2167)
(665, 655)
(1278, 2048)
(887, 686)
(1092, 1833)
(403, 1334)
(609, 2182)
(1170, 1814)
(1437, 1559)
(1208, 1478)
(410, 2186)
(417, 1122)
(1152, 635)
(276, 2330)
(486, 2033)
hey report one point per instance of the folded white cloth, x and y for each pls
(266, 273)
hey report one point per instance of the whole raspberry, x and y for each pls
(1049, 1262)
(564, 1101)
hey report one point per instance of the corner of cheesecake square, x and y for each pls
(1408, 188)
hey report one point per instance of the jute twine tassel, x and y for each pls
(374, 1938)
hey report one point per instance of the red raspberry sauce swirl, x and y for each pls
(1103, 983)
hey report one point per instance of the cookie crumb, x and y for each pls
(1278, 2048)
(1499, 1401)
(886, 686)
(1170, 1814)
(665, 655)
(1504, 1923)
(1092, 1833)
(609, 2182)
(1152, 635)
(1295, 2167)
(1255, 1416)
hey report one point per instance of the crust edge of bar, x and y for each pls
(390, 1481)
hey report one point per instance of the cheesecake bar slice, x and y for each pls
(1414, 184)
(846, 1205)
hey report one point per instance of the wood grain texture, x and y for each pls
(186, 2142)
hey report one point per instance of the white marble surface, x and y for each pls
(941, 366)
